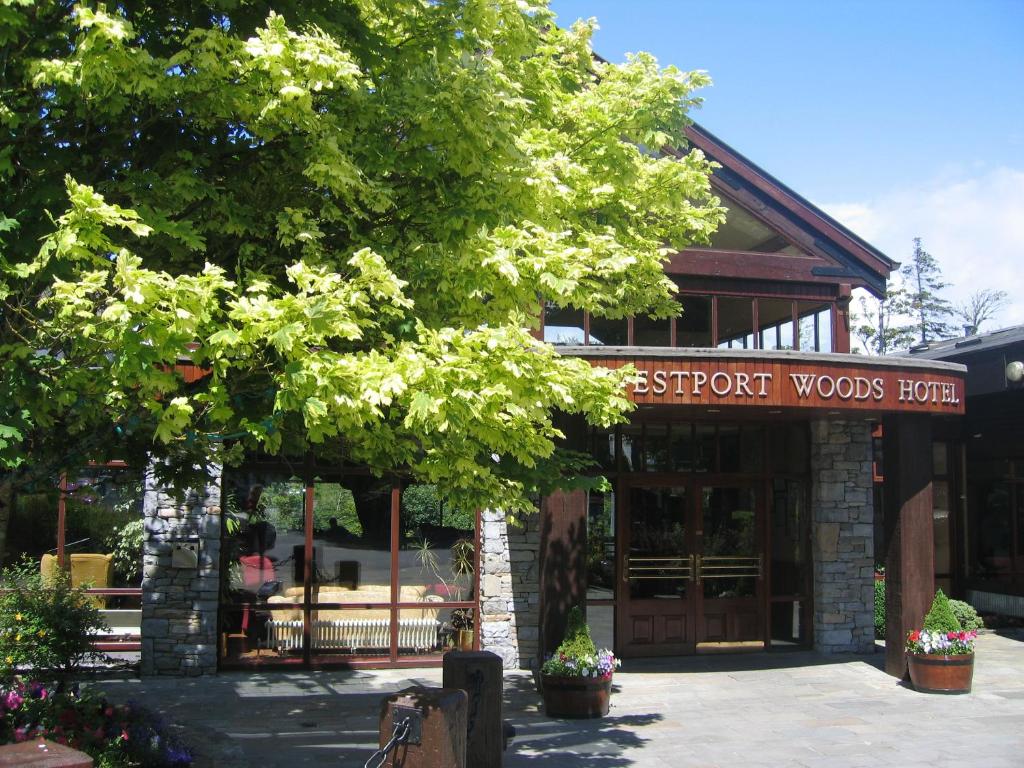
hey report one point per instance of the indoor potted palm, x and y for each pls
(576, 681)
(941, 655)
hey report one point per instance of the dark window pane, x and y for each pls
(735, 323)
(656, 448)
(658, 563)
(603, 447)
(704, 459)
(751, 449)
(601, 546)
(682, 447)
(789, 557)
(729, 448)
(563, 325)
(609, 333)
(651, 333)
(631, 448)
(991, 532)
(693, 326)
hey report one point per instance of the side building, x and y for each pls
(979, 509)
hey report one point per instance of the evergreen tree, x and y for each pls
(924, 284)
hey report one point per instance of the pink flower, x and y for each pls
(20, 734)
(13, 700)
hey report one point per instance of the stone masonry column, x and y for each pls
(179, 604)
(842, 536)
(509, 588)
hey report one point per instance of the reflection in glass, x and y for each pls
(730, 563)
(992, 534)
(609, 333)
(735, 323)
(651, 333)
(600, 546)
(682, 447)
(631, 448)
(563, 325)
(775, 323)
(789, 560)
(705, 459)
(659, 563)
(656, 448)
(601, 620)
(815, 326)
(693, 326)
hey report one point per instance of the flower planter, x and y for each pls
(576, 697)
(935, 673)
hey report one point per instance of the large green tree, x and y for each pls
(348, 212)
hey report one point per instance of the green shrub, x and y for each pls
(125, 544)
(940, 617)
(47, 627)
(880, 609)
(966, 615)
(577, 643)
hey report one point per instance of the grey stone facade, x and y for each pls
(842, 536)
(510, 589)
(179, 603)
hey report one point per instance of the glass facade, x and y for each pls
(343, 568)
(705, 321)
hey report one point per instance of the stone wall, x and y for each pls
(179, 605)
(510, 589)
(842, 536)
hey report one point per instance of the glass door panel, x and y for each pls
(729, 566)
(656, 616)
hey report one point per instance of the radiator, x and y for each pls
(353, 634)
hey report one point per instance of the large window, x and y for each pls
(705, 321)
(91, 524)
(348, 568)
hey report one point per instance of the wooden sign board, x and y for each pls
(792, 384)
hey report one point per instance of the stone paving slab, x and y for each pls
(793, 709)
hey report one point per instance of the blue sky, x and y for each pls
(901, 118)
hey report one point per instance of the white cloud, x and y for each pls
(973, 224)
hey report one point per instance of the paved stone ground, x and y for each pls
(797, 709)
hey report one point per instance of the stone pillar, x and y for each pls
(842, 536)
(509, 588)
(179, 604)
(909, 531)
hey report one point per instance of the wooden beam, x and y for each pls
(907, 508)
(563, 562)
(747, 265)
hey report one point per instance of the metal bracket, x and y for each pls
(415, 718)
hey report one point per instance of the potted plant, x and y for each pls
(941, 655)
(576, 681)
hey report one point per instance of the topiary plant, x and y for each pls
(966, 615)
(577, 643)
(940, 617)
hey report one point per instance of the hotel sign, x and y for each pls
(780, 383)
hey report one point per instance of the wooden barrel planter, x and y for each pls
(934, 673)
(576, 697)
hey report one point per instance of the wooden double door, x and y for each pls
(691, 570)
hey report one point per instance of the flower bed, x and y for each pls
(115, 736)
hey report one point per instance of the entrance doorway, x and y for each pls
(691, 575)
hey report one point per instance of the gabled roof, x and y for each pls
(855, 260)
